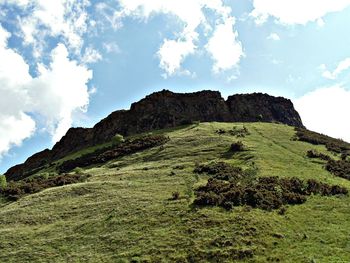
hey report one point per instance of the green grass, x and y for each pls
(124, 213)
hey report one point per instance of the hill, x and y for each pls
(165, 196)
(164, 109)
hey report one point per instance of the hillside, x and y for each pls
(139, 206)
(164, 109)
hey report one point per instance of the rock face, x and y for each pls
(166, 109)
(262, 107)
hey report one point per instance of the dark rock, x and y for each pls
(263, 107)
(166, 109)
(30, 166)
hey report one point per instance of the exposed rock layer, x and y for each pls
(166, 109)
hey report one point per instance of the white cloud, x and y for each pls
(224, 47)
(274, 36)
(173, 52)
(296, 11)
(15, 124)
(326, 110)
(320, 22)
(59, 91)
(192, 15)
(43, 18)
(111, 47)
(342, 66)
(91, 55)
(56, 93)
(13, 130)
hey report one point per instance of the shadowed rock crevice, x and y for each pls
(165, 109)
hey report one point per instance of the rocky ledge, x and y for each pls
(165, 109)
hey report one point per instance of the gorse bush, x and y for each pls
(234, 131)
(340, 168)
(102, 156)
(221, 171)
(17, 189)
(117, 139)
(175, 195)
(237, 147)
(334, 145)
(230, 186)
(316, 154)
(265, 193)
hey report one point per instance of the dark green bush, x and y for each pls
(124, 148)
(339, 168)
(175, 195)
(117, 139)
(237, 147)
(220, 170)
(17, 189)
(266, 193)
(234, 131)
(334, 145)
(316, 154)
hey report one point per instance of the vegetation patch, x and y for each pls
(315, 154)
(124, 148)
(334, 145)
(16, 189)
(266, 193)
(339, 168)
(230, 186)
(234, 131)
(237, 147)
(221, 171)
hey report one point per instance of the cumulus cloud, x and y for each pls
(55, 93)
(296, 11)
(15, 124)
(111, 47)
(192, 14)
(173, 52)
(59, 90)
(342, 66)
(42, 18)
(274, 36)
(224, 47)
(325, 110)
(91, 55)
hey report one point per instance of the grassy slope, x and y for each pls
(124, 212)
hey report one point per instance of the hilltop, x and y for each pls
(164, 109)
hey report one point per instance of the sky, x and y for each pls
(69, 63)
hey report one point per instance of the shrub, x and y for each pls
(316, 154)
(175, 195)
(237, 147)
(117, 139)
(266, 193)
(339, 168)
(221, 171)
(102, 156)
(44, 175)
(234, 131)
(334, 145)
(344, 156)
(17, 189)
(78, 170)
(3, 182)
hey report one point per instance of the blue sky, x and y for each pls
(71, 62)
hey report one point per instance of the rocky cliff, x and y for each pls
(166, 109)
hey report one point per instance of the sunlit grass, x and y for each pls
(124, 212)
